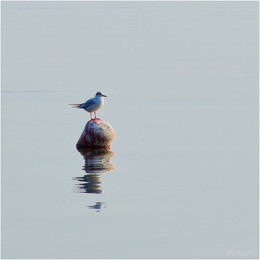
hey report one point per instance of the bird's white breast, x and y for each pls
(98, 103)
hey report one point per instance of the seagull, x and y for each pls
(93, 104)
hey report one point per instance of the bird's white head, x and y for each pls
(99, 94)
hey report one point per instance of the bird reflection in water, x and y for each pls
(97, 161)
(98, 206)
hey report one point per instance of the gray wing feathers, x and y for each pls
(87, 104)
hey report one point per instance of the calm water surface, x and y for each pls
(182, 86)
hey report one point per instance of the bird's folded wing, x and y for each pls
(85, 105)
(89, 103)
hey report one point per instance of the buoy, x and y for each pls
(96, 134)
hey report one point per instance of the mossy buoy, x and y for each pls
(97, 133)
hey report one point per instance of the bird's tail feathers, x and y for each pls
(75, 105)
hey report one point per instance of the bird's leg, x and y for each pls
(95, 114)
(90, 115)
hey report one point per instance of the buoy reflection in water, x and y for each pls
(97, 161)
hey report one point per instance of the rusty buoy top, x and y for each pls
(96, 134)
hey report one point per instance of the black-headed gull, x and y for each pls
(93, 104)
